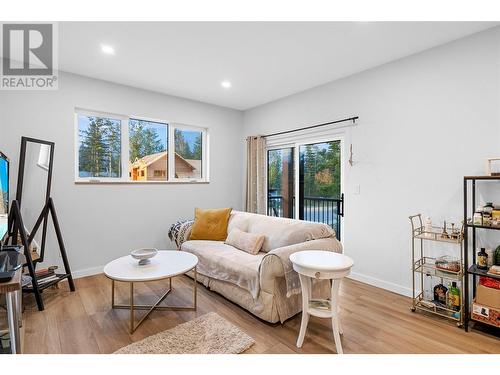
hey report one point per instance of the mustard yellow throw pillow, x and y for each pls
(210, 224)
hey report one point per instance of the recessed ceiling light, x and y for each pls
(107, 49)
(226, 84)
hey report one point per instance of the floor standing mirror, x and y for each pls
(34, 207)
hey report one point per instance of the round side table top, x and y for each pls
(167, 263)
(321, 260)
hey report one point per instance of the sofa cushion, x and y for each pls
(224, 262)
(279, 232)
(248, 242)
(210, 224)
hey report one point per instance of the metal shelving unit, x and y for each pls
(425, 266)
(472, 270)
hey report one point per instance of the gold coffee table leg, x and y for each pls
(112, 293)
(132, 306)
(195, 288)
(132, 329)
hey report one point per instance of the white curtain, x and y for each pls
(256, 175)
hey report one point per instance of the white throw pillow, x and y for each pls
(248, 242)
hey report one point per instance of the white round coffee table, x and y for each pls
(165, 265)
(319, 265)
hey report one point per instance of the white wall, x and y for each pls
(425, 122)
(102, 222)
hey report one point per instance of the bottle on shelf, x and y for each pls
(440, 293)
(449, 299)
(482, 259)
(428, 293)
(486, 219)
(497, 257)
(495, 216)
(488, 208)
(478, 216)
(454, 296)
(486, 213)
(491, 257)
(428, 227)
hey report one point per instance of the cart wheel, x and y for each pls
(412, 309)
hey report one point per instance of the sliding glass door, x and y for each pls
(319, 187)
(304, 181)
(280, 182)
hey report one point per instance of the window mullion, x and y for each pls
(171, 153)
(296, 162)
(125, 148)
(205, 169)
(76, 140)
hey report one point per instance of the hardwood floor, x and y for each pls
(374, 321)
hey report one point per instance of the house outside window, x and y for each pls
(159, 173)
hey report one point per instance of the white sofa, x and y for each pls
(264, 284)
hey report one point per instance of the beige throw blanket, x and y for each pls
(283, 253)
(322, 240)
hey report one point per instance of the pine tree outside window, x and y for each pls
(99, 147)
(188, 153)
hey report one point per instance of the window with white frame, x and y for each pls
(188, 152)
(117, 148)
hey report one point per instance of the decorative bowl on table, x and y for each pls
(143, 255)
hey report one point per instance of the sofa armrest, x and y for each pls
(180, 232)
(271, 266)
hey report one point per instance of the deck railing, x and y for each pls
(318, 209)
(275, 205)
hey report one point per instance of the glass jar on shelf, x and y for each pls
(478, 216)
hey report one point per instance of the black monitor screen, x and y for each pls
(4, 194)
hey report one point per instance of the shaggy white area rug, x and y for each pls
(207, 334)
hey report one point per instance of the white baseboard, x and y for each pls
(381, 284)
(87, 272)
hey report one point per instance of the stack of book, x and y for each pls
(46, 275)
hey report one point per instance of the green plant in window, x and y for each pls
(99, 152)
(143, 140)
(197, 148)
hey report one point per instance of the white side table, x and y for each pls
(319, 265)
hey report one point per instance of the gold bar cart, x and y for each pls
(425, 266)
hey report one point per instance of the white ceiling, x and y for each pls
(263, 61)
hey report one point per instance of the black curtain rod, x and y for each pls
(353, 119)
